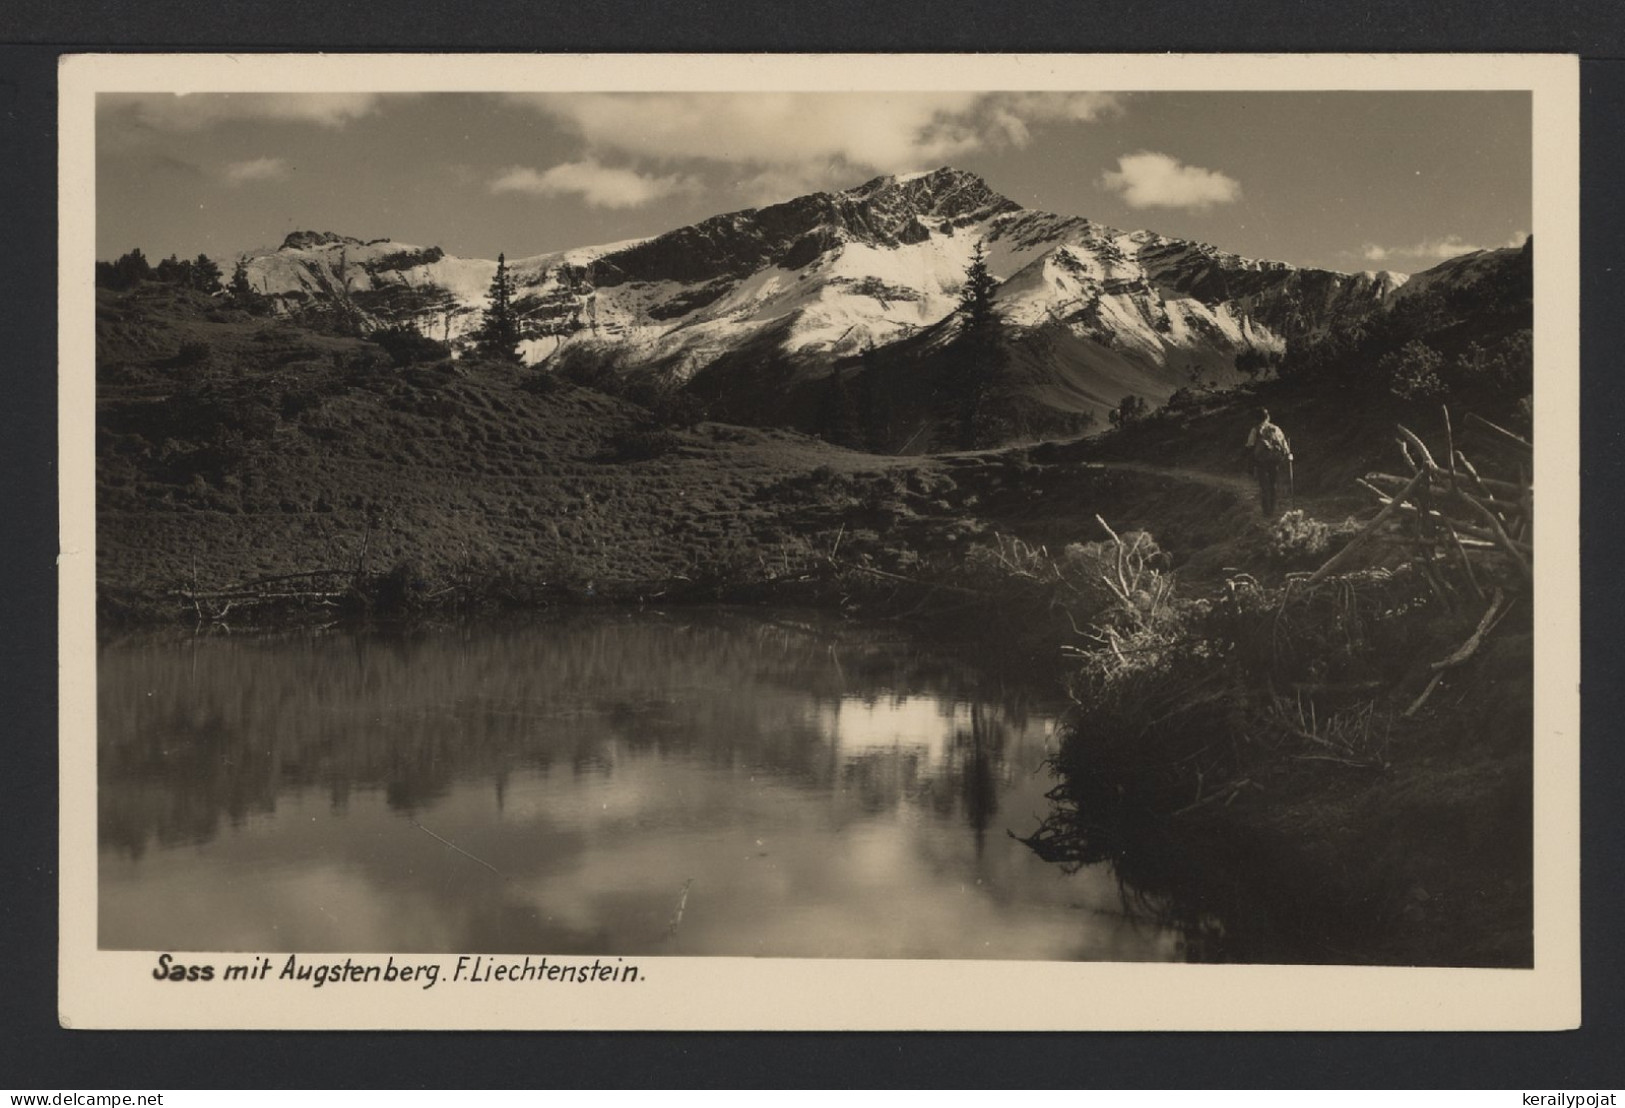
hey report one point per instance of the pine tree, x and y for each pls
(205, 275)
(125, 273)
(874, 412)
(498, 335)
(977, 359)
(976, 297)
(242, 292)
(171, 271)
(837, 415)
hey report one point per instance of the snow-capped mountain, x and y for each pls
(828, 275)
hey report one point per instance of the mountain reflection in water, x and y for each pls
(817, 789)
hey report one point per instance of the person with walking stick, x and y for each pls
(1269, 451)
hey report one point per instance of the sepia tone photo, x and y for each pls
(606, 532)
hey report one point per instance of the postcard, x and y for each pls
(819, 542)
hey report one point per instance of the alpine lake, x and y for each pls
(687, 782)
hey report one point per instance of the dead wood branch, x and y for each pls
(1421, 447)
(1370, 529)
(1470, 647)
(1506, 541)
(1502, 434)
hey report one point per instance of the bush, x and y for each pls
(404, 587)
(1504, 368)
(408, 346)
(191, 354)
(544, 383)
(669, 404)
(1412, 371)
(643, 444)
(1131, 408)
(1296, 538)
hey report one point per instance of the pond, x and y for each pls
(693, 782)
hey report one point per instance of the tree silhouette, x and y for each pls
(125, 273)
(976, 363)
(498, 334)
(205, 274)
(837, 417)
(243, 294)
(1131, 408)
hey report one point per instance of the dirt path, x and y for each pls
(1239, 486)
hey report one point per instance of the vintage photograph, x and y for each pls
(1091, 525)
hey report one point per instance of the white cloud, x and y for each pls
(197, 110)
(1450, 246)
(1151, 180)
(257, 169)
(803, 133)
(597, 185)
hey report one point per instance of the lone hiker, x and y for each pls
(1269, 451)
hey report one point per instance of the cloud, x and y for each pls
(1450, 246)
(1151, 180)
(197, 110)
(802, 134)
(257, 169)
(598, 186)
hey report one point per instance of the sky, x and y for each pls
(1335, 180)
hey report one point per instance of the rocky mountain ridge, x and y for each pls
(828, 275)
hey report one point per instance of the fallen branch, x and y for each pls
(1501, 536)
(251, 595)
(1505, 493)
(911, 580)
(1470, 647)
(1505, 435)
(1427, 692)
(1463, 652)
(1366, 533)
(1466, 562)
(1421, 447)
(1449, 441)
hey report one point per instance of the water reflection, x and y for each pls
(701, 783)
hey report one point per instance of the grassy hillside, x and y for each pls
(234, 447)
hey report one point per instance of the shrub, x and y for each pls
(1504, 368)
(1294, 537)
(544, 383)
(191, 354)
(1130, 409)
(1412, 371)
(643, 444)
(408, 346)
(1182, 399)
(404, 587)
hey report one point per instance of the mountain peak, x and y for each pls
(944, 191)
(904, 205)
(306, 240)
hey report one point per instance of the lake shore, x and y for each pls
(1417, 853)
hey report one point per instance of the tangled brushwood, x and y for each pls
(1186, 703)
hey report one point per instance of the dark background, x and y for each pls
(36, 1055)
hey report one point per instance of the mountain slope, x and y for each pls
(801, 284)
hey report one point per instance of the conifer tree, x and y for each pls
(976, 297)
(837, 414)
(205, 274)
(874, 413)
(242, 292)
(977, 360)
(125, 273)
(498, 335)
